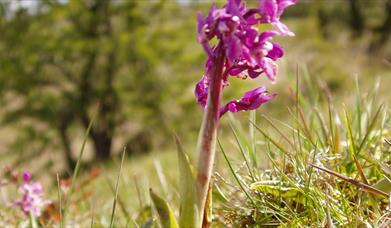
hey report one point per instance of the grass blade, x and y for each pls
(328, 215)
(352, 144)
(92, 221)
(121, 204)
(278, 130)
(363, 186)
(59, 201)
(360, 170)
(253, 151)
(241, 149)
(161, 176)
(140, 201)
(358, 108)
(370, 128)
(116, 188)
(271, 140)
(234, 174)
(77, 166)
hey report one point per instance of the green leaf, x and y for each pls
(188, 216)
(166, 216)
(383, 185)
(207, 219)
(278, 188)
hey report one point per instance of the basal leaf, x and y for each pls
(277, 188)
(188, 216)
(166, 216)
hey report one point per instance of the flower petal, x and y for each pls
(268, 10)
(282, 4)
(26, 176)
(269, 67)
(251, 100)
(282, 28)
(234, 49)
(201, 91)
(276, 52)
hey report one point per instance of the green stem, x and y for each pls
(33, 221)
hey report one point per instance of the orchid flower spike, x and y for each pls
(32, 201)
(248, 52)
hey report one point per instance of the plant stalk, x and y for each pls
(33, 220)
(206, 145)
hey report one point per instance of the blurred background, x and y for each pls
(130, 66)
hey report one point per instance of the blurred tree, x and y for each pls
(357, 22)
(361, 17)
(382, 31)
(63, 63)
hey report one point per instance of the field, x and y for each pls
(103, 112)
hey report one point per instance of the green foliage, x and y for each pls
(136, 63)
(305, 161)
(289, 190)
(62, 62)
(166, 216)
(188, 215)
(383, 185)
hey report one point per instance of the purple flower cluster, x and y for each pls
(31, 201)
(247, 52)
